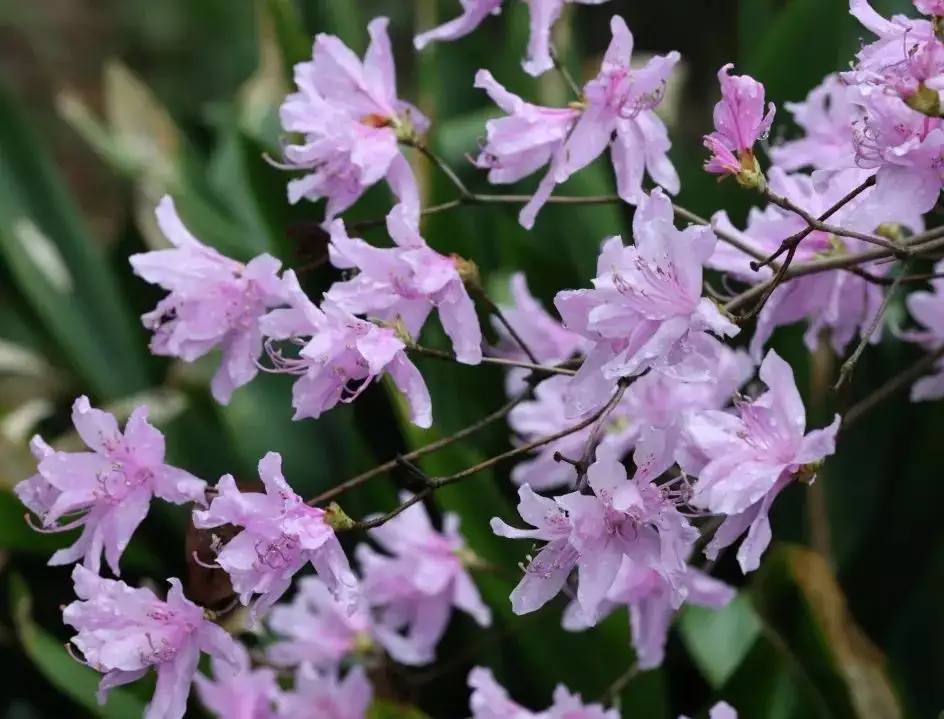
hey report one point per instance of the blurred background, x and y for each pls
(106, 105)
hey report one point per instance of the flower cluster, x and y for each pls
(633, 420)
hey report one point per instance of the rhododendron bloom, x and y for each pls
(739, 123)
(646, 310)
(213, 302)
(340, 356)
(490, 700)
(416, 587)
(930, 7)
(111, 486)
(617, 113)
(544, 13)
(523, 142)
(547, 414)
(651, 608)
(351, 119)
(743, 462)
(123, 632)
(280, 534)
(321, 631)
(325, 696)
(721, 710)
(928, 309)
(237, 691)
(841, 302)
(405, 283)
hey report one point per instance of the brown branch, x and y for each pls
(500, 316)
(538, 369)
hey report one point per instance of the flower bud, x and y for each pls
(468, 273)
(925, 100)
(337, 519)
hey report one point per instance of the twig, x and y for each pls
(596, 435)
(500, 316)
(360, 479)
(849, 365)
(539, 369)
(611, 695)
(893, 385)
(444, 168)
(564, 72)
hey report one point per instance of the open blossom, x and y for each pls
(646, 310)
(928, 309)
(841, 302)
(721, 710)
(425, 575)
(340, 356)
(930, 7)
(317, 629)
(280, 534)
(740, 122)
(743, 462)
(827, 117)
(405, 283)
(490, 700)
(124, 632)
(351, 119)
(544, 13)
(593, 533)
(651, 609)
(618, 112)
(326, 696)
(547, 414)
(237, 691)
(110, 487)
(213, 302)
(525, 141)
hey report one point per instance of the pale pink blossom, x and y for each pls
(404, 283)
(927, 307)
(721, 710)
(213, 302)
(651, 609)
(317, 629)
(740, 122)
(280, 535)
(526, 139)
(237, 691)
(646, 310)
(571, 706)
(124, 632)
(841, 302)
(110, 488)
(827, 117)
(490, 700)
(930, 7)
(544, 13)
(326, 696)
(744, 461)
(415, 586)
(618, 112)
(340, 355)
(351, 119)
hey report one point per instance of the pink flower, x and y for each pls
(490, 700)
(340, 356)
(111, 486)
(123, 632)
(646, 310)
(928, 309)
(930, 7)
(618, 101)
(544, 13)
(405, 282)
(416, 587)
(547, 414)
(523, 142)
(841, 302)
(826, 116)
(351, 119)
(238, 692)
(213, 302)
(325, 696)
(321, 631)
(739, 123)
(743, 462)
(280, 535)
(651, 609)
(622, 518)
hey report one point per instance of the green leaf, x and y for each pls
(719, 640)
(73, 679)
